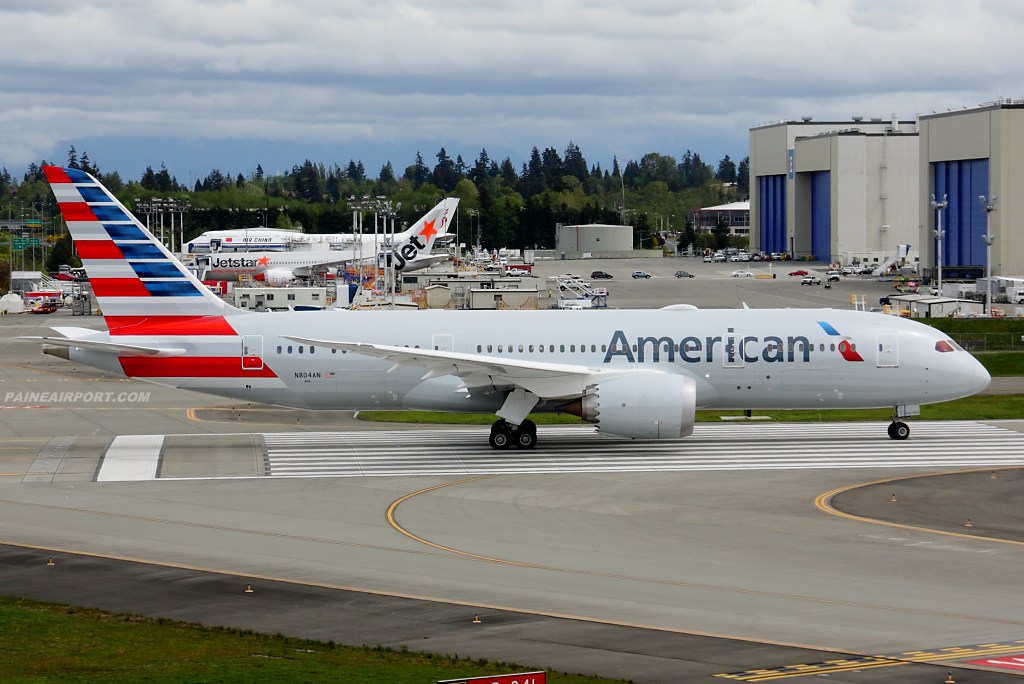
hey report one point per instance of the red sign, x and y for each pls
(521, 678)
(1009, 662)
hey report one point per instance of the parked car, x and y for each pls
(720, 258)
(707, 258)
(800, 272)
(683, 274)
(810, 280)
(833, 278)
(641, 274)
(835, 272)
(756, 257)
(735, 257)
(742, 274)
(601, 275)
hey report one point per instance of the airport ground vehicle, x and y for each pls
(720, 258)
(707, 259)
(637, 374)
(683, 274)
(799, 272)
(601, 275)
(810, 280)
(640, 274)
(833, 278)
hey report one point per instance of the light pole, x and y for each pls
(939, 234)
(989, 238)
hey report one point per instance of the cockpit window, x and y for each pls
(947, 346)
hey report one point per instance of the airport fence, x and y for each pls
(989, 341)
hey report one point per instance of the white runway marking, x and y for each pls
(131, 457)
(712, 447)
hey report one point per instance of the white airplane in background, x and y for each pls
(638, 374)
(412, 251)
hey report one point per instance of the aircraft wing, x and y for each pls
(546, 380)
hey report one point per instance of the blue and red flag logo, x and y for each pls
(845, 348)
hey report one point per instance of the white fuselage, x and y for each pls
(740, 359)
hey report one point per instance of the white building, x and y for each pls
(835, 191)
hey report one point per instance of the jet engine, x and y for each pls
(640, 405)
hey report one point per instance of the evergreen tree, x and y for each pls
(240, 181)
(84, 165)
(259, 172)
(148, 181)
(444, 173)
(508, 173)
(418, 173)
(726, 170)
(72, 158)
(743, 176)
(553, 168)
(164, 183)
(615, 167)
(387, 174)
(575, 164)
(62, 253)
(481, 169)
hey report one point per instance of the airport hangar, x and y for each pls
(841, 190)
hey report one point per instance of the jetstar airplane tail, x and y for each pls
(141, 287)
(433, 225)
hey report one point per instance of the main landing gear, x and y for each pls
(505, 435)
(898, 430)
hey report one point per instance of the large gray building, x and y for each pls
(594, 238)
(963, 155)
(835, 191)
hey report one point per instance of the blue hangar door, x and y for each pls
(821, 216)
(773, 213)
(964, 219)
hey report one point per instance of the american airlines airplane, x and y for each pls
(638, 374)
(412, 251)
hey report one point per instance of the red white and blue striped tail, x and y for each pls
(140, 286)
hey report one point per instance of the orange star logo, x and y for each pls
(264, 261)
(428, 229)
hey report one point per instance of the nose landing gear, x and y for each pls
(898, 430)
(505, 435)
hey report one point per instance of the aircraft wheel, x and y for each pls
(899, 430)
(526, 439)
(501, 436)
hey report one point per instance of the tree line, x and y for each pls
(506, 206)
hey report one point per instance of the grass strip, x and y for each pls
(978, 407)
(1002, 363)
(46, 642)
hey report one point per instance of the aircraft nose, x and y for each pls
(982, 379)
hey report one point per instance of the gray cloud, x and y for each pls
(623, 77)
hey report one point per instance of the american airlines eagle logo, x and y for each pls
(844, 346)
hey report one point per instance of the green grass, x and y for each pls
(1002, 363)
(980, 407)
(44, 642)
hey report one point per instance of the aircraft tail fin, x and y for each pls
(433, 225)
(139, 284)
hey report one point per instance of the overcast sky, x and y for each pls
(235, 83)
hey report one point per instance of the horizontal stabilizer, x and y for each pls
(110, 347)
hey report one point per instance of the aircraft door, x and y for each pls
(252, 352)
(733, 350)
(443, 343)
(888, 349)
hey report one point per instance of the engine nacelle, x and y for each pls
(642, 405)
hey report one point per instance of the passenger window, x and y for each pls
(490, 349)
(520, 349)
(312, 349)
(853, 345)
(289, 349)
(300, 348)
(634, 347)
(499, 348)
(279, 350)
(334, 351)
(879, 347)
(540, 348)
(551, 349)
(831, 347)
(572, 347)
(531, 348)
(561, 347)
(821, 347)
(593, 347)
(479, 348)
(604, 347)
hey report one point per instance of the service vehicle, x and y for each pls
(810, 280)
